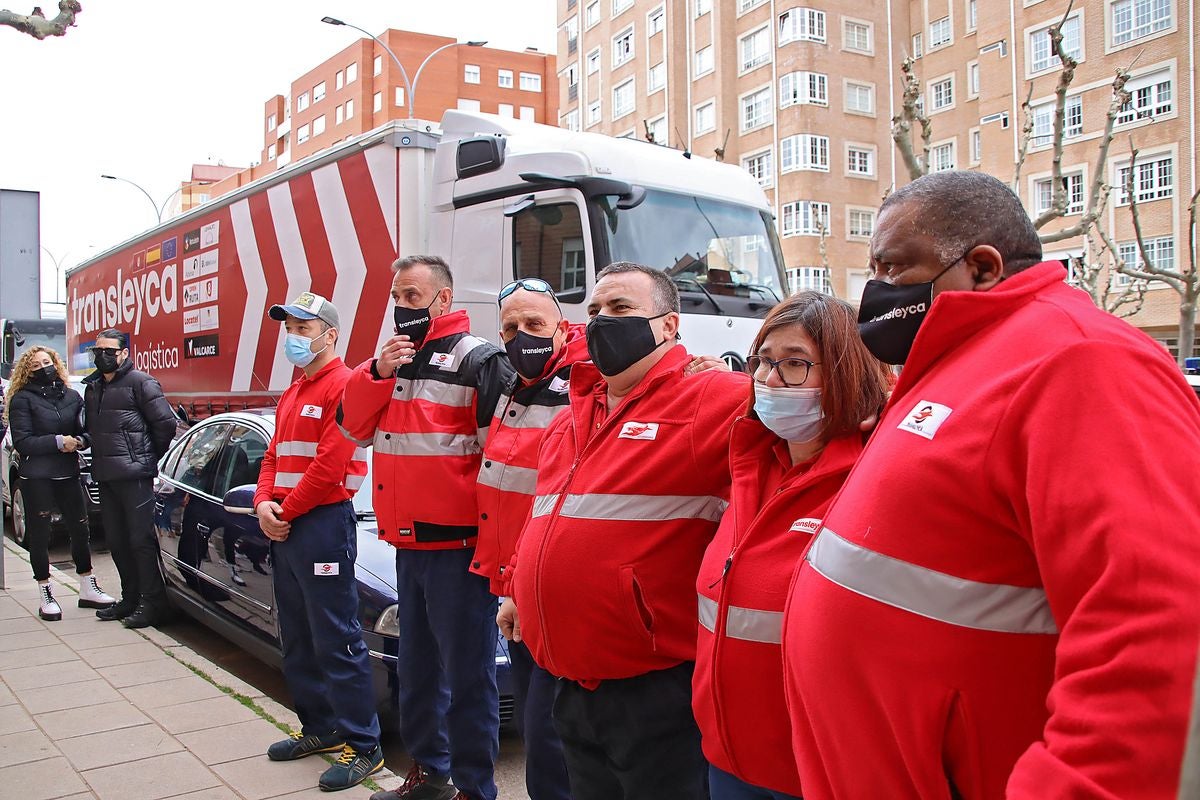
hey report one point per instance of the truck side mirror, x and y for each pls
(479, 156)
(576, 295)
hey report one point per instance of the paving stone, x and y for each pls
(35, 656)
(132, 653)
(129, 745)
(316, 794)
(257, 778)
(122, 675)
(19, 678)
(107, 634)
(232, 742)
(172, 692)
(93, 719)
(157, 777)
(25, 640)
(6, 695)
(215, 793)
(20, 624)
(13, 718)
(201, 714)
(53, 778)
(25, 747)
(10, 609)
(71, 695)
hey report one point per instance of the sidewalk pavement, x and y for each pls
(89, 709)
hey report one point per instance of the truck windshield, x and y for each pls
(22, 334)
(725, 258)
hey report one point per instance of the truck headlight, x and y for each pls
(388, 623)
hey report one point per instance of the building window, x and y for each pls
(399, 95)
(571, 122)
(655, 21)
(860, 97)
(803, 88)
(531, 82)
(943, 93)
(528, 114)
(318, 92)
(973, 79)
(760, 166)
(856, 36)
(466, 104)
(592, 62)
(976, 146)
(591, 14)
(804, 151)
(338, 79)
(302, 134)
(1160, 249)
(802, 25)
(704, 60)
(755, 48)
(338, 117)
(756, 109)
(620, 5)
(746, 5)
(349, 109)
(470, 73)
(656, 78)
(318, 125)
(703, 7)
(805, 218)
(939, 33)
(504, 78)
(623, 99)
(271, 124)
(377, 102)
(941, 157)
(351, 73)
(1155, 180)
(271, 152)
(656, 130)
(506, 110)
(622, 47)
(860, 160)
(1041, 51)
(1043, 192)
(377, 65)
(1133, 19)
(301, 101)
(1150, 96)
(593, 113)
(706, 118)
(861, 222)
(972, 14)
(1043, 121)
(809, 279)
(918, 49)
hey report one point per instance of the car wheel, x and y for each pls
(18, 516)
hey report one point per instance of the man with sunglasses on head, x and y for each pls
(129, 426)
(424, 405)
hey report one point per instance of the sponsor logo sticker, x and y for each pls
(204, 291)
(201, 346)
(210, 234)
(644, 431)
(558, 385)
(170, 248)
(925, 418)
(191, 240)
(807, 525)
(313, 412)
(326, 568)
(442, 361)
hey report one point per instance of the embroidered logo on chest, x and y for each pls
(646, 431)
(925, 419)
(313, 412)
(558, 385)
(442, 361)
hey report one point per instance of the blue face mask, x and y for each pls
(298, 349)
(792, 414)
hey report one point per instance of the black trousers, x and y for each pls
(127, 509)
(42, 497)
(633, 739)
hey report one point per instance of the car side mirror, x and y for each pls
(240, 500)
(572, 296)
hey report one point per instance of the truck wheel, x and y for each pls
(18, 516)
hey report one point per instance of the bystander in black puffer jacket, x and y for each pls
(40, 413)
(129, 424)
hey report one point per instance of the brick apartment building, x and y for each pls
(801, 94)
(360, 89)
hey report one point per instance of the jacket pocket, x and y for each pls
(637, 609)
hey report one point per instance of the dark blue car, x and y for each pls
(217, 563)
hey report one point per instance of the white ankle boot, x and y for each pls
(50, 609)
(90, 595)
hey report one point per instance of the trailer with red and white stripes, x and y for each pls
(498, 198)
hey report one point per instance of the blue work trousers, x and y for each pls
(534, 689)
(325, 661)
(724, 786)
(446, 668)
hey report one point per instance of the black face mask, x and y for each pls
(413, 322)
(889, 316)
(530, 354)
(44, 375)
(617, 343)
(105, 362)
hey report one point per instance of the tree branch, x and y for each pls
(35, 23)
(1026, 135)
(1058, 192)
(902, 123)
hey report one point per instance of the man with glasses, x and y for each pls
(630, 484)
(425, 404)
(129, 426)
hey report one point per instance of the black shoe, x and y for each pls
(297, 745)
(119, 611)
(146, 614)
(419, 784)
(351, 769)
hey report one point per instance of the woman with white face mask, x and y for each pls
(814, 383)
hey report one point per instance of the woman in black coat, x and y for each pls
(46, 417)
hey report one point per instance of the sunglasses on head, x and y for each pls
(529, 285)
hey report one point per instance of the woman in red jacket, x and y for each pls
(814, 382)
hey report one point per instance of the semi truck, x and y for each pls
(498, 198)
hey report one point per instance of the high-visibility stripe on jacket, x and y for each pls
(508, 474)
(309, 463)
(775, 508)
(1002, 600)
(427, 424)
(626, 503)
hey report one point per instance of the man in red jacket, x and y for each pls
(1002, 600)
(425, 405)
(309, 473)
(631, 483)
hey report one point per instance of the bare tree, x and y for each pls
(35, 23)
(912, 113)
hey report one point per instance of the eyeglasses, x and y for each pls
(112, 351)
(529, 285)
(792, 371)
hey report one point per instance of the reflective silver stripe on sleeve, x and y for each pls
(361, 454)
(928, 593)
(481, 435)
(287, 480)
(544, 504)
(643, 507)
(426, 444)
(346, 433)
(747, 624)
(431, 391)
(296, 448)
(521, 480)
(465, 345)
(527, 416)
(355, 482)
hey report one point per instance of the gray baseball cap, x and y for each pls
(307, 306)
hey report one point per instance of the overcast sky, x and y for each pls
(145, 88)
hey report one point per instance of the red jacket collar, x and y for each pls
(585, 378)
(447, 325)
(334, 364)
(753, 444)
(573, 351)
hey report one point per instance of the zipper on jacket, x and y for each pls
(724, 569)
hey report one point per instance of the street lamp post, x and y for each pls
(158, 210)
(410, 85)
(57, 270)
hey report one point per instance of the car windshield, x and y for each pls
(721, 253)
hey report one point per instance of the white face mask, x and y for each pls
(792, 414)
